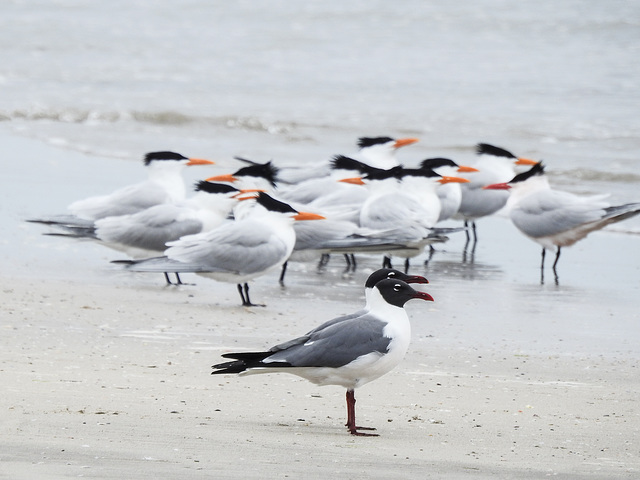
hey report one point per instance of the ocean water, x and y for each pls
(88, 87)
(298, 82)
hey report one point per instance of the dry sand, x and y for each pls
(112, 381)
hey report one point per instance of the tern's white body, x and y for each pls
(143, 233)
(163, 185)
(554, 218)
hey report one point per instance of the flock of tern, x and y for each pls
(239, 226)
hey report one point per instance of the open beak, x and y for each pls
(497, 186)
(423, 296)
(246, 190)
(416, 279)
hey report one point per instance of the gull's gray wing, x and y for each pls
(336, 345)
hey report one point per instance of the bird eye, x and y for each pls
(391, 274)
(397, 287)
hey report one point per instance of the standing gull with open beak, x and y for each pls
(348, 352)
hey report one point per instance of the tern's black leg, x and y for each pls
(350, 258)
(246, 301)
(386, 262)
(351, 417)
(431, 252)
(555, 263)
(466, 231)
(475, 233)
(324, 259)
(282, 272)
(179, 280)
(544, 252)
(406, 265)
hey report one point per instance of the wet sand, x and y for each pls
(106, 374)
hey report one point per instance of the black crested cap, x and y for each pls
(263, 170)
(485, 148)
(438, 162)
(397, 293)
(384, 273)
(537, 169)
(274, 205)
(364, 142)
(418, 172)
(347, 163)
(164, 155)
(213, 187)
(381, 174)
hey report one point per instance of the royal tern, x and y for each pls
(260, 176)
(147, 232)
(450, 194)
(380, 152)
(348, 352)
(554, 218)
(164, 184)
(494, 165)
(238, 250)
(377, 152)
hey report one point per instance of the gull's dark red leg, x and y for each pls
(351, 417)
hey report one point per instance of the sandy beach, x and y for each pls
(107, 374)
(112, 381)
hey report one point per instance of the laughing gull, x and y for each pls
(349, 351)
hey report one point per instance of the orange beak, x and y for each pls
(465, 169)
(525, 161)
(497, 186)
(246, 190)
(444, 180)
(402, 142)
(250, 197)
(222, 178)
(199, 161)
(308, 216)
(353, 181)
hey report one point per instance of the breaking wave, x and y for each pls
(165, 117)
